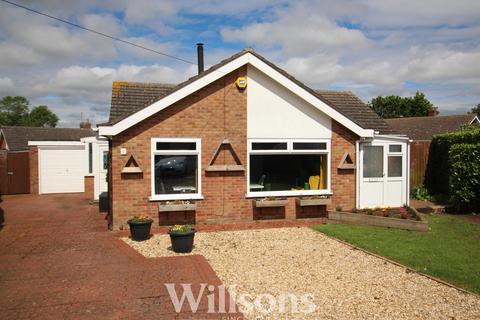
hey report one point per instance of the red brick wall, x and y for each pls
(33, 158)
(89, 187)
(215, 112)
(3, 172)
(343, 181)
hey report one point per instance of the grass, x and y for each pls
(450, 251)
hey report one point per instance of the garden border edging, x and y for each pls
(367, 220)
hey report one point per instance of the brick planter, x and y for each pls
(366, 220)
(270, 203)
(313, 202)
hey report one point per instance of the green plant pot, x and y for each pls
(182, 242)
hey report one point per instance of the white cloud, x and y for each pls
(7, 86)
(298, 31)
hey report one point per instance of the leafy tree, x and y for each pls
(396, 107)
(14, 111)
(476, 109)
(41, 116)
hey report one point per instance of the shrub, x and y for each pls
(421, 193)
(438, 169)
(464, 162)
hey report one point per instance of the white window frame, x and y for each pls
(197, 152)
(289, 150)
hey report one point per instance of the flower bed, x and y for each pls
(399, 213)
(401, 218)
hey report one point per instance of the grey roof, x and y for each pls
(128, 98)
(424, 128)
(17, 137)
(353, 108)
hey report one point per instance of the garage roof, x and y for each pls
(424, 128)
(17, 137)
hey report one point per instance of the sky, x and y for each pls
(384, 47)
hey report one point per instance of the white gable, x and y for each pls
(275, 112)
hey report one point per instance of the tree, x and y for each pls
(396, 107)
(476, 109)
(14, 111)
(41, 116)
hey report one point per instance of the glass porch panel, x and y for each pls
(394, 166)
(373, 161)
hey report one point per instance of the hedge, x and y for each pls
(437, 177)
(464, 161)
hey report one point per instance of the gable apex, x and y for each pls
(245, 57)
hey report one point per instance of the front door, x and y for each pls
(383, 174)
(102, 169)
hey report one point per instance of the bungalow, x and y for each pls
(242, 141)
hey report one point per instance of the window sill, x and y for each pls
(292, 193)
(172, 197)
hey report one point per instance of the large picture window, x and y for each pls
(175, 169)
(289, 167)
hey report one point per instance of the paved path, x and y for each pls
(57, 261)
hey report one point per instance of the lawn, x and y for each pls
(450, 251)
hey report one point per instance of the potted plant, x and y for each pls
(182, 238)
(140, 227)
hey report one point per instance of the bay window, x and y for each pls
(176, 167)
(288, 167)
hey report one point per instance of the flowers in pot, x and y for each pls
(140, 227)
(182, 237)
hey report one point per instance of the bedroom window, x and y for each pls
(289, 167)
(175, 167)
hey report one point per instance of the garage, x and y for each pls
(61, 167)
(43, 160)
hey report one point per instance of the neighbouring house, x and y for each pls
(243, 141)
(42, 160)
(421, 130)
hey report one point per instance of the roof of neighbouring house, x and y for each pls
(424, 128)
(17, 137)
(130, 97)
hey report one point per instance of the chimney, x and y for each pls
(200, 57)
(433, 112)
(85, 124)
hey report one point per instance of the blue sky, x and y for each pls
(369, 47)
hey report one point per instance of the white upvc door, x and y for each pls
(102, 168)
(383, 172)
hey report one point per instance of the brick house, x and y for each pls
(243, 141)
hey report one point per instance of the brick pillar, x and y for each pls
(3, 172)
(33, 158)
(89, 187)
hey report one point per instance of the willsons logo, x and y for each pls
(218, 296)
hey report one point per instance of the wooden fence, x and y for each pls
(418, 162)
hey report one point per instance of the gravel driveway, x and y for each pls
(345, 283)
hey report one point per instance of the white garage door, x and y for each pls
(62, 168)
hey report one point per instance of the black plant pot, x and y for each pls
(182, 242)
(140, 230)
